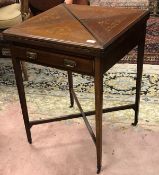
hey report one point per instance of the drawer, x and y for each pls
(61, 61)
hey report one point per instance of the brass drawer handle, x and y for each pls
(31, 55)
(69, 63)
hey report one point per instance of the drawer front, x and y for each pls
(61, 61)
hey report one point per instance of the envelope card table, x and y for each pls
(88, 40)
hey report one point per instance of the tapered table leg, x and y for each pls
(21, 92)
(70, 82)
(98, 109)
(140, 59)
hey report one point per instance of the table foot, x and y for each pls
(98, 169)
(134, 124)
(72, 104)
(136, 115)
(71, 99)
(29, 136)
(30, 141)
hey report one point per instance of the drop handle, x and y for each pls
(31, 55)
(69, 63)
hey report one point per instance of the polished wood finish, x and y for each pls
(70, 83)
(140, 60)
(61, 61)
(78, 115)
(98, 106)
(83, 39)
(20, 86)
(106, 23)
(84, 117)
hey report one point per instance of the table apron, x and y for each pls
(55, 60)
(122, 46)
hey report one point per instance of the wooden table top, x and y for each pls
(78, 25)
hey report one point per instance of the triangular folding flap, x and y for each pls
(105, 23)
(56, 24)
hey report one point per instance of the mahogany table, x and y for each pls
(82, 39)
